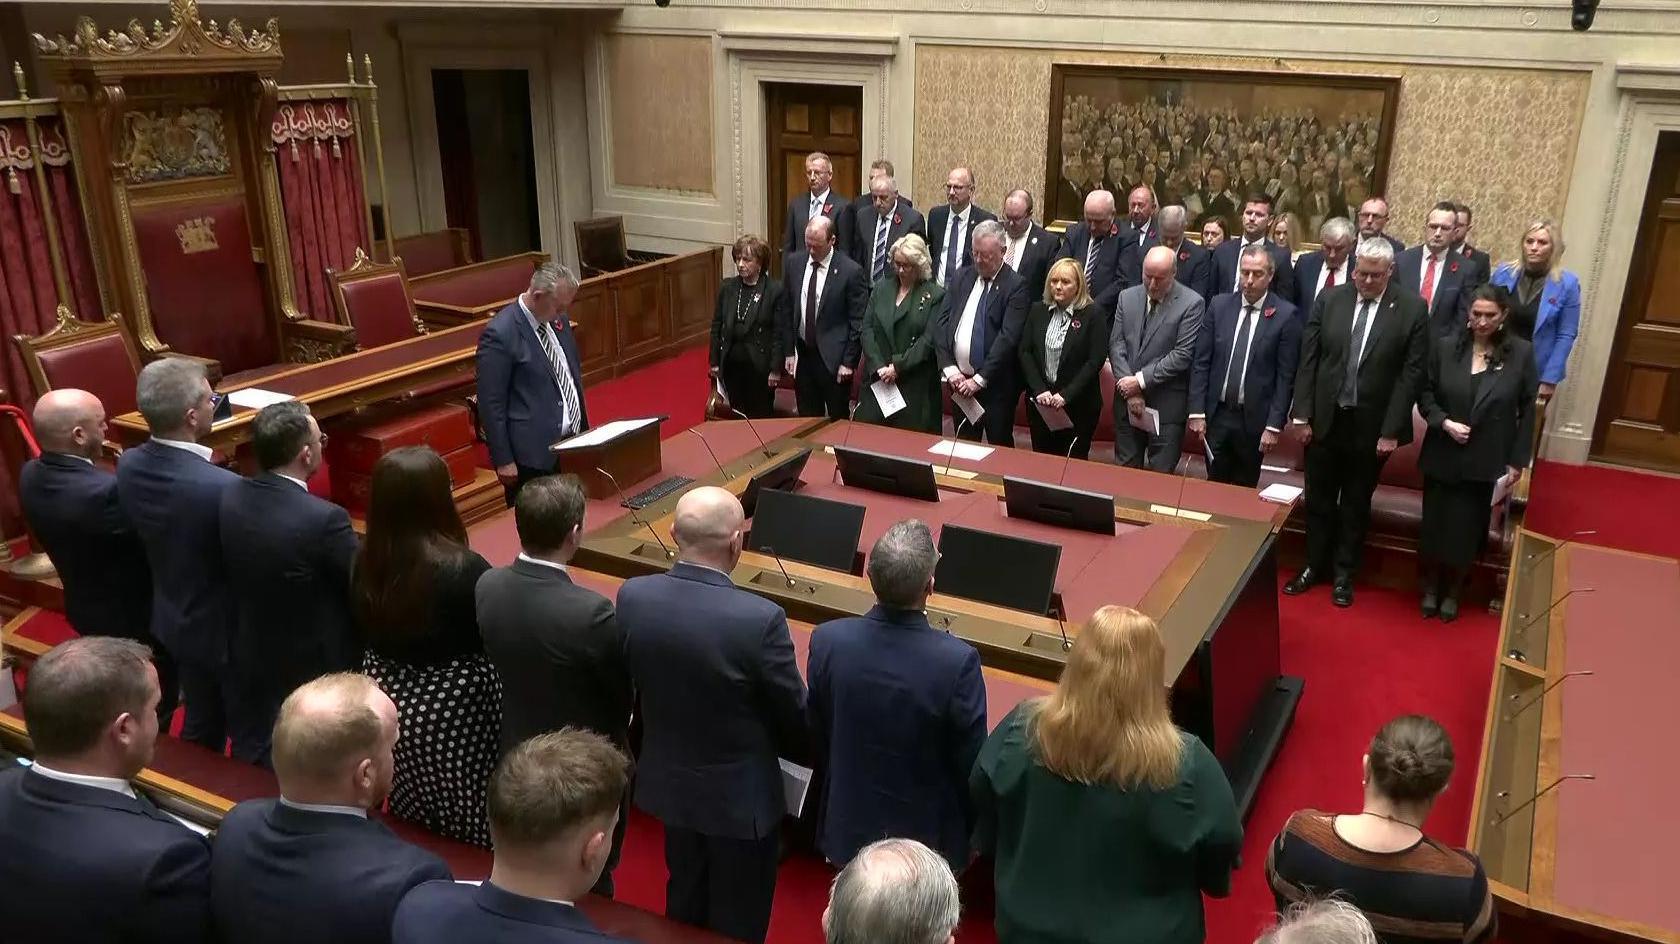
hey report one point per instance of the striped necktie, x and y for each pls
(880, 264)
(562, 377)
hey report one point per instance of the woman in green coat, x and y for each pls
(898, 341)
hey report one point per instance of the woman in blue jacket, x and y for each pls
(1545, 301)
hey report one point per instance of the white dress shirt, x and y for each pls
(965, 334)
(816, 204)
(569, 416)
(326, 808)
(300, 483)
(1236, 282)
(1324, 274)
(1249, 317)
(201, 451)
(113, 784)
(542, 563)
(949, 266)
(1370, 321)
(808, 318)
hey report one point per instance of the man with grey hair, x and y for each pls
(530, 382)
(172, 491)
(1330, 921)
(898, 712)
(879, 224)
(979, 337)
(897, 891)
(721, 700)
(1326, 267)
(1362, 358)
(1195, 264)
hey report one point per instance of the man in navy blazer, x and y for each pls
(1028, 248)
(311, 865)
(950, 228)
(288, 557)
(83, 857)
(1442, 278)
(721, 700)
(898, 713)
(1326, 267)
(877, 169)
(1096, 244)
(553, 801)
(1373, 223)
(827, 335)
(880, 223)
(172, 491)
(1244, 373)
(71, 505)
(979, 338)
(530, 382)
(1195, 264)
(818, 200)
(1256, 222)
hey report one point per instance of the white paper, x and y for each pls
(1054, 417)
(606, 432)
(1180, 512)
(1502, 490)
(1272, 468)
(955, 449)
(1149, 422)
(717, 388)
(970, 407)
(796, 782)
(1207, 449)
(1281, 493)
(888, 396)
(252, 398)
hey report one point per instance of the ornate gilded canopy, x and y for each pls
(188, 45)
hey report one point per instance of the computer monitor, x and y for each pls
(997, 569)
(804, 528)
(1058, 505)
(781, 475)
(879, 472)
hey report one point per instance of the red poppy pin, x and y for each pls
(1452, 267)
(1184, 255)
(897, 218)
(1270, 312)
(1074, 324)
(828, 208)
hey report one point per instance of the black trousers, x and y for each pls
(747, 387)
(215, 713)
(815, 388)
(1236, 452)
(526, 474)
(1342, 472)
(169, 682)
(1058, 442)
(722, 884)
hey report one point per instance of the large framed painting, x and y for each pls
(1318, 144)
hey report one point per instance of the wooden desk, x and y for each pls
(452, 297)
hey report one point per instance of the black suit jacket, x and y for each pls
(1105, 282)
(906, 220)
(1079, 372)
(840, 308)
(1389, 373)
(857, 206)
(1226, 256)
(1500, 413)
(937, 218)
(281, 875)
(519, 405)
(1484, 262)
(1003, 310)
(174, 499)
(288, 558)
(1451, 302)
(82, 864)
(1195, 266)
(559, 651)
(451, 913)
(721, 699)
(767, 338)
(1272, 358)
(799, 213)
(1036, 258)
(72, 507)
(1308, 269)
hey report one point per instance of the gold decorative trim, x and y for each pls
(309, 351)
(187, 35)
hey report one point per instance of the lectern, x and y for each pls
(620, 451)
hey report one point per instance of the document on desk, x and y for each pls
(1054, 417)
(252, 398)
(1281, 493)
(970, 407)
(1149, 421)
(888, 396)
(606, 432)
(953, 449)
(796, 782)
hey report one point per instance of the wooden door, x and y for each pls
(1639, 414)
(801, 119)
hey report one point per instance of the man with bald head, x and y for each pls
(950, 228)
(71, 506)
(1096, 243)
(1151, 348)
(829, 292)
(311, 865)
(721, 699)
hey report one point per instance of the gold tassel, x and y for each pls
(294, 151)
(12, 182)
(338, 154)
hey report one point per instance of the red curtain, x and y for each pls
(321, 188)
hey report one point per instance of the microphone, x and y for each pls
(1061, 627)
(1183, 480)
(1540, 697)
(845, 439)
(777, 558)
(956, 434)
(696, 431)
(1065, 463)
(1504, 794)
(1535, 559)
(669, 554)
(754, 429)
(1523, 631)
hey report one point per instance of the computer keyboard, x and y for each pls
(659, 490)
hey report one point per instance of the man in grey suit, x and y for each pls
(1153, 346)
(883, 221)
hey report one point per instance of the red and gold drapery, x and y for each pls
(322, 191)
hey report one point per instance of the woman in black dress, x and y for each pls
(412, 589)
(1478, 399)
(746, 354)
(1063, 347)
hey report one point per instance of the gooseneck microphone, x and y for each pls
(669, 554)
(766, 449)
(1533, 560)
(778, 559)
(851, 420)
(698, 435)
(1067, 462)
(1505, 794)
(1537, 699)
(1522, 631)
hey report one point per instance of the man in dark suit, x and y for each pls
(1096, 244)
(1140, 216)
(950, 228)
(978, 344)
(898, 712)
(1214, 201)
(288, 558)
(82, 856)
(1028, 248)
(71, 505)
(1461, 241)
(1442, 278)
(881, 223)
(721, 700)
(1362, 357)
(172, 492)
(819, 199)
(1324, 268)
(1256, 224)
(530, 382)
(1244, 373)
(552, 804)
(311, 865)
(1372, 217)
(556, 646)
(1195, 264)
(827, 294)
(877, 170)
(1150, 351)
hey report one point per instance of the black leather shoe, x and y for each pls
(1301, 583)
(1431, 604)
(1341, 592)
(1449, 609)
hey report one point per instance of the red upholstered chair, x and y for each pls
(425, 253)
(98, 357)
(373, 299)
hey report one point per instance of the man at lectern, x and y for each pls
(530, 384)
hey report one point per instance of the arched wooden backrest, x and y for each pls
(373, 298)
(99, 357)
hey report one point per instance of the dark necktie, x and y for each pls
(811, 304)
(879, 265)
(1090, 259)
(1349, 394)
(1330, 276)
(1238, 364)
(977, 333)
(562, 377)
(951, 257)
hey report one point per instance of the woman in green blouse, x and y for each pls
(898, 340)
(1104, 820)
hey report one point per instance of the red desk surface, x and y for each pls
(1617, 834)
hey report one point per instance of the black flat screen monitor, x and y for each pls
(781, 475)
(1058, 505)
(996, 569)
(804, 528)
(879, 472)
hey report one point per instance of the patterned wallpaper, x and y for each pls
(661, 111)
(1501, 140)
